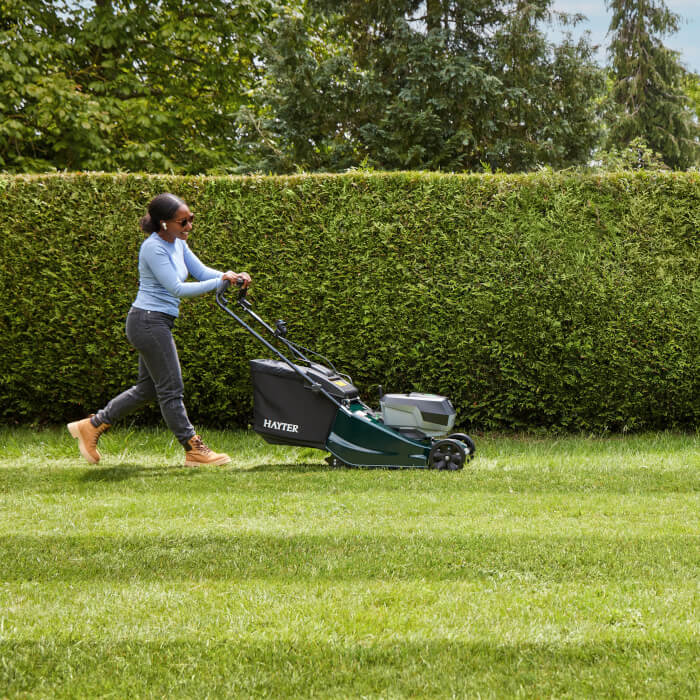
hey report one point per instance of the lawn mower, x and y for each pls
(308, 403)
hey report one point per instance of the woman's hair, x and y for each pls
(162, 208)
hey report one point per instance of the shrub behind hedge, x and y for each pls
(530, 300)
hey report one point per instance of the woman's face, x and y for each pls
(181, 224)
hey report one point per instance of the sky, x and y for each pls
(686, 41)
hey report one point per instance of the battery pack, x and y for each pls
(429, 413)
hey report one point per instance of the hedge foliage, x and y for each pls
(555, 300)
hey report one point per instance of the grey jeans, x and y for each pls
(160, 376)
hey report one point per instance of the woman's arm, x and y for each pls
(201, 272)
(196, 267)
(163, 270)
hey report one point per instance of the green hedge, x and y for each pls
(551, 300)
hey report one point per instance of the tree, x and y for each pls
(647, 97)
(444, 84)
(40, 103)
(551, 92)
(149, 85)
(691, 87)
(275, 85)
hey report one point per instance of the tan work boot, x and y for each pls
(88, 435)
(198, 454)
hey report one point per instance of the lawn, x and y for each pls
(549, 567)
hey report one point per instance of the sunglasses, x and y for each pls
(185, 221)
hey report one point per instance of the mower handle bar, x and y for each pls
(248, 307)
(294, 347)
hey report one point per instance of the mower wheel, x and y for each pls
(463, 437)
(447, 454)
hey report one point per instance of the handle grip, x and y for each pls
(239, 283)
(242, 291)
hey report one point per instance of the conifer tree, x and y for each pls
(647, 99)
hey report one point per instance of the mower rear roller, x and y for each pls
(334, 462)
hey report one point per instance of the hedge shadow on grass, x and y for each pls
(131, 470)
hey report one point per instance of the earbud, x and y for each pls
(164, 225)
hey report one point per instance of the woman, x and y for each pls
(165, 261)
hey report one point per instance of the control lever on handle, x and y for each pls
(242, 291)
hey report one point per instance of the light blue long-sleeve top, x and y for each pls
(163, 269)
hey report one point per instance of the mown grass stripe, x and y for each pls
(28, 558)
(317, 478)
(427, 668)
